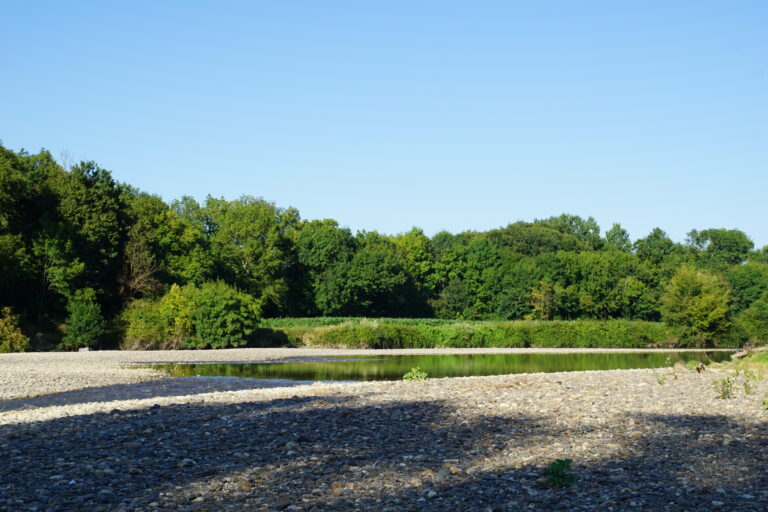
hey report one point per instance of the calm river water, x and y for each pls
(440, 365)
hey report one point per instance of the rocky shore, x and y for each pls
(86, 432)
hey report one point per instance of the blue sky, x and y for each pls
(385, 115)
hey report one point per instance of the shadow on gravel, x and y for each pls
(177, 386)
(326, 453)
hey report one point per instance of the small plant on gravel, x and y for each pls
(724, 387)
(416, 374)
(765, 402)
(559, 474)
(749, 382)
(660, 377)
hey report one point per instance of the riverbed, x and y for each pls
(86, 431)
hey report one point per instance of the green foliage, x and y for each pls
(559, 474)
(215, 315)
(721, 246)
(697, 301)
(656, 248)
(748, 283)
(85, 323)
(64, 230)
(11, 337)
(754, 321)
(374, 281)
(433, 333)
(660, 377)
(748, 382)
(618, 238)
(724, 387)
(250, 239)
(415, 374)
(222, 317)
(162, 324)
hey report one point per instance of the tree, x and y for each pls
(617, 238)
(85, 324)
(251, 240)
(415, 249)
(748, 282)
(655, 247)
(754, 321)
(373, 283)
(586, 230)
(544, 299)
(698, 302)
(322, 243)
(540, 237)
(721, 246)
(91, 211)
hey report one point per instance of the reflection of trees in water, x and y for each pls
(453, 365)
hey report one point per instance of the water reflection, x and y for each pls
(442, 365)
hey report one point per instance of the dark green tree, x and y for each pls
(721, 246)
(85, 323)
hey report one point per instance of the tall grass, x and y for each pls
(434, 333)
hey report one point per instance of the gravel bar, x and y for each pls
(89, 432)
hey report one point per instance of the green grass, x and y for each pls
(435, 333)
(756, 363)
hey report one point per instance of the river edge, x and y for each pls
(26, 375)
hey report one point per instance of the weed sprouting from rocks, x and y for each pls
(724, 387)
(660, 377)
(749, 382)
(559, 474)
(415, 374)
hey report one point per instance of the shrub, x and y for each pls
(559, 473)
(724, 387)
(150, 327)
(11, 337)
(85, 324)
(415, 374)
(222, 317)
(214, 315)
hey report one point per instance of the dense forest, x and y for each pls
(87, 261)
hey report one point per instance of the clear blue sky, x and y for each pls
(385, 115)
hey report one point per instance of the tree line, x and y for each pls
(88, 261)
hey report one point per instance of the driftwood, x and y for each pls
(749, 351)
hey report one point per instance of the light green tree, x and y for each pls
(698, 302)
(11, 337)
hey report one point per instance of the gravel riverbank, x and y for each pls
(86, 432)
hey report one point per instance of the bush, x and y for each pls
(415, 374)
(214, 315)
(222, 317)
(85, 324)
(154, 325)
(11, 337)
